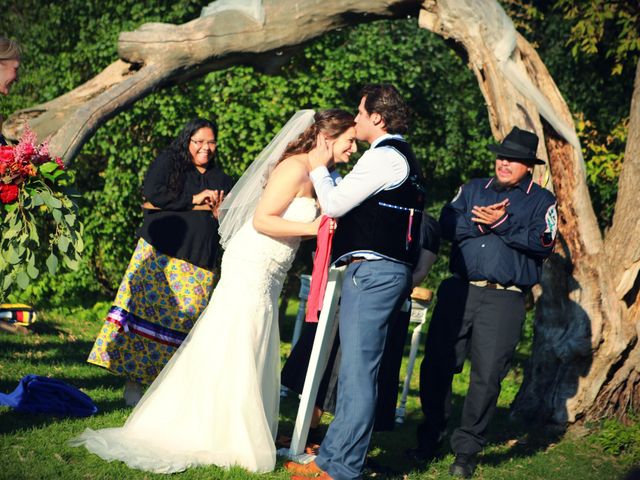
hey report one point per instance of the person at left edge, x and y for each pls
(170, 276)
(9, 64)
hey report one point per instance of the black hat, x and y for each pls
(518, 145)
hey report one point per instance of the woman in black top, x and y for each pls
(169, 279)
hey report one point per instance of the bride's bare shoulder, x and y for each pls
(294, 165)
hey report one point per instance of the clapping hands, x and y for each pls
(209, 199)
(491, 213)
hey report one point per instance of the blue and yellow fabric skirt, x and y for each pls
(158, 302)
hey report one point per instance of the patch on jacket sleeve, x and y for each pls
(551, 219)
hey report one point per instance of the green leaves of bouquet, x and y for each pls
(38, 215)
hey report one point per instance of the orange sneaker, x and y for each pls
(322, 476)
(306, 470)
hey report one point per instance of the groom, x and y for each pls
(379, 205)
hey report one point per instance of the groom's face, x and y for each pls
(365, 127)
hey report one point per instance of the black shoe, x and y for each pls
(374, 469)
(422, 455)
(463, 466)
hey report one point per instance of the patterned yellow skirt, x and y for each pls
(158, 302)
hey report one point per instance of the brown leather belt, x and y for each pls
(495, 286)
(487, 284)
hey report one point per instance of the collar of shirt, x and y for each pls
(397, 136)
(525, 184)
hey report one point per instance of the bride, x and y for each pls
(216, 401)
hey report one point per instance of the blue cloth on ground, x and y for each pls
(36, 394)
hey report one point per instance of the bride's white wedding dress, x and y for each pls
(216, 401)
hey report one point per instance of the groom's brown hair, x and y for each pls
(385, 100)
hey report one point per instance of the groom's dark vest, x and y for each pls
(387, 223)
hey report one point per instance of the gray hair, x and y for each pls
(9, 49)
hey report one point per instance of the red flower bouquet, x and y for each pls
(8, 193)
(37, 213)
(18, 163)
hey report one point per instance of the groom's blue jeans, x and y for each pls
(372, 294)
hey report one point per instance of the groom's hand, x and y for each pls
(322, 153)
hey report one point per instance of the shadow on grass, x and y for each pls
(519, 439)
(13, 422)
(53, 351)
(507, 439)
(50, 327)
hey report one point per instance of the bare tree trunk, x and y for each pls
(620, 394)
(158, 54)
(586, 357)
(569, 358)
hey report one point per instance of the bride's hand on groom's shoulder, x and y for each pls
(322, 153)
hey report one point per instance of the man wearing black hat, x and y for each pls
(501, 228)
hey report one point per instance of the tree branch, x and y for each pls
(158, 54)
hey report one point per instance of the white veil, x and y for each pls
(240, 204)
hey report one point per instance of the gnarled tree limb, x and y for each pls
(158, 54)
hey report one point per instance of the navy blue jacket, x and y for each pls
(511, 251)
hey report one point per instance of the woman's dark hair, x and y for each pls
(333, 123)
(179, 152)
(385, 100)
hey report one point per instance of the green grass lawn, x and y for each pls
(34, 447)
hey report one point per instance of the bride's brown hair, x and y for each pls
(332, 122)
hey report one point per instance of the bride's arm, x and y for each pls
(283, 185)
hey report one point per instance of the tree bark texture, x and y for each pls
(586, 358)
(621, 393)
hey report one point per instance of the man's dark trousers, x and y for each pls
(484, 324)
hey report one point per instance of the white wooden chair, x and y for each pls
(420, 300)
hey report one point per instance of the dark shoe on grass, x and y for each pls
(463, 466)
(373, 469)
(422, 455)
